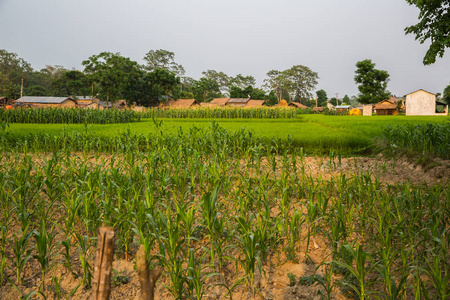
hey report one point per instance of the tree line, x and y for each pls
(111, 76)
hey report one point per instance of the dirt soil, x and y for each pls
(274, 284)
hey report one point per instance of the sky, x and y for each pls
(248, 37)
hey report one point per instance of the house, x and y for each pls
(423, 103)
(219, 101)
(118, 104)
(86, 99)
(91, 105)
(297, 105)
(4, 101)
(237, 102)
(386, 108)
(46, 102)
(254, 103)
(318, 109)
(208, 105)
(184, 103)
(342, 108)
(367, 110)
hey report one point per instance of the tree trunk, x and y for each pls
(147, 277)
(101, 288)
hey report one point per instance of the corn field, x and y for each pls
(215, 210)
(428, 139)
(67, 116)
(228, 112)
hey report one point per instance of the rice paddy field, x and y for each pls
(304, 207)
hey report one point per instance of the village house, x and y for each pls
(46, 102)
(342, 108)
(4, 101)
(184, 103)
(297, 105)
(237, 102)
(423, 103)
(219, 101)
(386, 108)
(254, 103)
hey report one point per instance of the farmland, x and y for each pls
(235, 208)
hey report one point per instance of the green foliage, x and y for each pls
(446, 95)
(372, 82)
(428, 139)
(434, 25)
(321, 98)
(68, 116)
(163, 60)
(248, 92)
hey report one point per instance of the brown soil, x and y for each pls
(274, 283)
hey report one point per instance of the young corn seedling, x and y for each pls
(44, 246)
(22, 253)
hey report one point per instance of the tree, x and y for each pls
(253, 93)
(321, 98)
(346, 100)
(434, 25)
(222, 79)
(446, 95)
(206, 89)
(112, 72)
(275, 83)
(72, 83)
(13, 67)
(163, 59)
(372, 82)
(242, 81)
(302, 80)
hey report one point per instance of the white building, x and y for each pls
(422, 103)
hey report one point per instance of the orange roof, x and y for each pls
(255, 103)
(299, 105)
(219, 101)
(207, 104)
(184, 103)
(385, 104)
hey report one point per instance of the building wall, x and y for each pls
(420, 103)
(367, 110)
(64, 104)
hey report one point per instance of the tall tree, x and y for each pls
(446, 95)
(111, 71)
(372, 82)
(72, 83)
(321, 98)
(163, 59)
(253, 93)
(205, 89)
(222, 79)
(275, 83)
(434, 25)
(242, 81)
(302, 80)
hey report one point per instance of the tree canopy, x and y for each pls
(163, 59)
(434, 25)
(372, 82)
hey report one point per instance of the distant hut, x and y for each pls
(46, 102)
(237, 102)
(318, 109)
(4, 101)
(297, 105)
(219, 101)
(386, 108)
(254, 103)
(208, 105)
(342, 108)
(184, 103)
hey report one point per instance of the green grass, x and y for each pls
(316, 133)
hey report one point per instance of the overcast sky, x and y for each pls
(249, 37)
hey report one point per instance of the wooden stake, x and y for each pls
(101, 288)
(147, 277)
